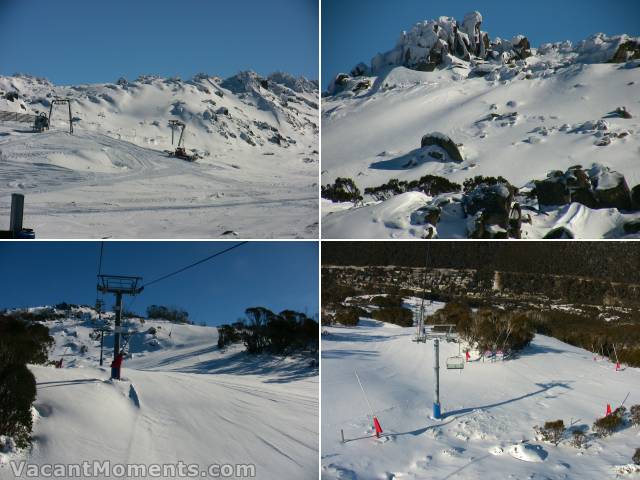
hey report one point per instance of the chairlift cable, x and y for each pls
(100, 261)
(164, 277)
(364, 393)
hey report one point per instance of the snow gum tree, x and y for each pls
(21, 342)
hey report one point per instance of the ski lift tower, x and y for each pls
(61, 101)
(119, 285)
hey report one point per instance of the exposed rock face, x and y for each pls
(471, 26)
(598, 187)
(552, 190)
(492, 211)
(635, 197)
(429, 215)
(632, 226)
(362, 85)
(522, 48)
(629, 50)
(434, 42)
(610, 188)
(559, 233)
(444, 142)
(622, 112)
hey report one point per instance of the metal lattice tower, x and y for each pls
(119, 285)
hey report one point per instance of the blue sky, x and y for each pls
(356, 30)
(78, 41)
(277, 275)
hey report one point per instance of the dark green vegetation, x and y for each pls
(347, 316)
(470, 184)
(635, 415)
(611, 423)
(487, 329)
(429, 184)
(616, 261)
(264, 331)
(21, 342)
(398, 315)
(172, 314)
(551, 431)
(343, 190)
(593, 334)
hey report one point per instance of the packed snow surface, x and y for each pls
(180, 398)
(489, 409)
(257, 139)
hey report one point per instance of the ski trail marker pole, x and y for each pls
(625, 399)
(617, 361)
(376, 423)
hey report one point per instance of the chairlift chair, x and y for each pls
(455, 363)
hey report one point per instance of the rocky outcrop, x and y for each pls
(444, 142)
(362, 85)
(444, 41)
(522, 48)
(597, 187)
(610, 188)
(492, 212)
(434, 42)
(629, 50)
(622, 112)
(559, 233)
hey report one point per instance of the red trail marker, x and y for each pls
(377, 426)
(608, 409)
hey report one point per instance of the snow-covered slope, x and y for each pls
(181, 399)
(258, 138)
(518, 118)
(489, 409)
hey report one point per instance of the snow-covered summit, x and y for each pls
(244, 110)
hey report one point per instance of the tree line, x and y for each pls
(616, 261)
(263, 331)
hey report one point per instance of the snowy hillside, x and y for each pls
(489, 409)
(181, 399)
(257, 139)
(519, 114)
